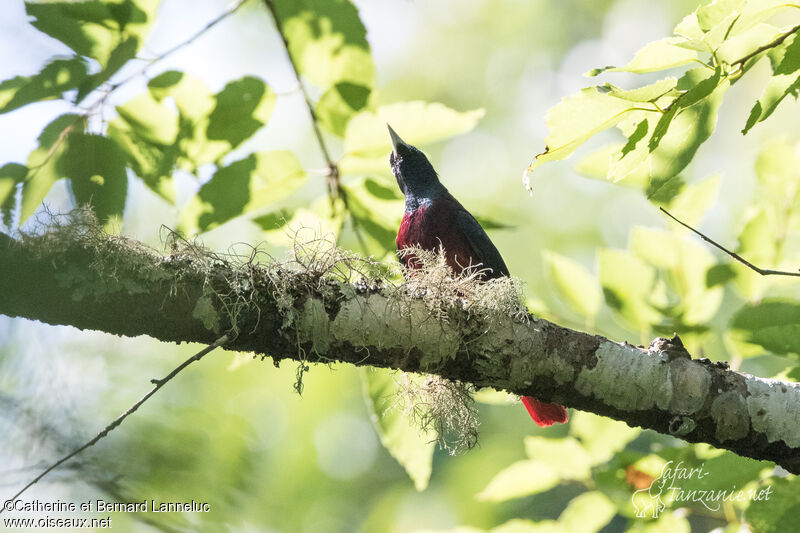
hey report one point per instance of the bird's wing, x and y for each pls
(482, 246)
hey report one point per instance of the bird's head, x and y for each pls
(413, 171)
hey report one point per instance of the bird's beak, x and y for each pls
(396, 140)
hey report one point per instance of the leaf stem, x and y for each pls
(332, 179)
(745, 262)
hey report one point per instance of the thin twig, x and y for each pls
(231, 9)
(767, 46)
(745, 262)
(333, 182)
(158, 384)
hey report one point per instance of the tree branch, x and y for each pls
(158, 383)
(742, 260)
(334, 184)
(314, 310)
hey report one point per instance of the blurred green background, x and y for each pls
(232, 432)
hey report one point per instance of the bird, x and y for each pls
(434, 219)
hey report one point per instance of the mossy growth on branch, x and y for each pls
(308, 289)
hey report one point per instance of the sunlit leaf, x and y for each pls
(579, 288)
(241, 187)
(410, 446)
(565, 456)
(275, 220)
(522, 478)
(110, 33)
(42, 162)
(777, 168)
(658, 55)
(747, 42)
(627, 286)
(327, 41)
(601, 437)
(11, 174)
(587, 513)
(648, 93)
(693, 200)
(242, 108)
(777, 506)
(339, 103)
(688, 261)
(577, 118)
(147, 132)
(772, 324)
(785, 80)
(376, 217)
(95, 166)
(55, 78)
(322, 219)
(758, 238)
(726, 471)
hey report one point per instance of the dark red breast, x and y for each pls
(431, 226)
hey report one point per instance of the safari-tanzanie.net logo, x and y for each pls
(678, 484)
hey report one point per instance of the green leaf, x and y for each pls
(522, 478)
(381, 191)
(777, 506)
(658, 55)
(602, 438)
(565, 456)
(192, 98)
(661, 191)
(579, 288)
(648, 93)
(376, 217)
(587, 513)
(628, 283)
(418, 123)
(275, 220)
(772, 324)
(211, 126)
(785, 80)
(147, 132)
(693, 200)
(412, 448)
(747, 42)
(11, 174)
(95, 166)
(110, 33)
(776, 170)
(666, 151)
(241, 187)
(243, 107)
(598, 165)
(688, 261)
(713, 13)
(42, 162)
(759, 237)
(719, 275)
(577, 118)
(327, 41)
(57, 77)
(726, 471)
(339, 103)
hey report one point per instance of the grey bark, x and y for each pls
(93, 281)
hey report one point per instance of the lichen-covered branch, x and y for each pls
(328, 305)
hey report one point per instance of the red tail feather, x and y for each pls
(545, 414)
